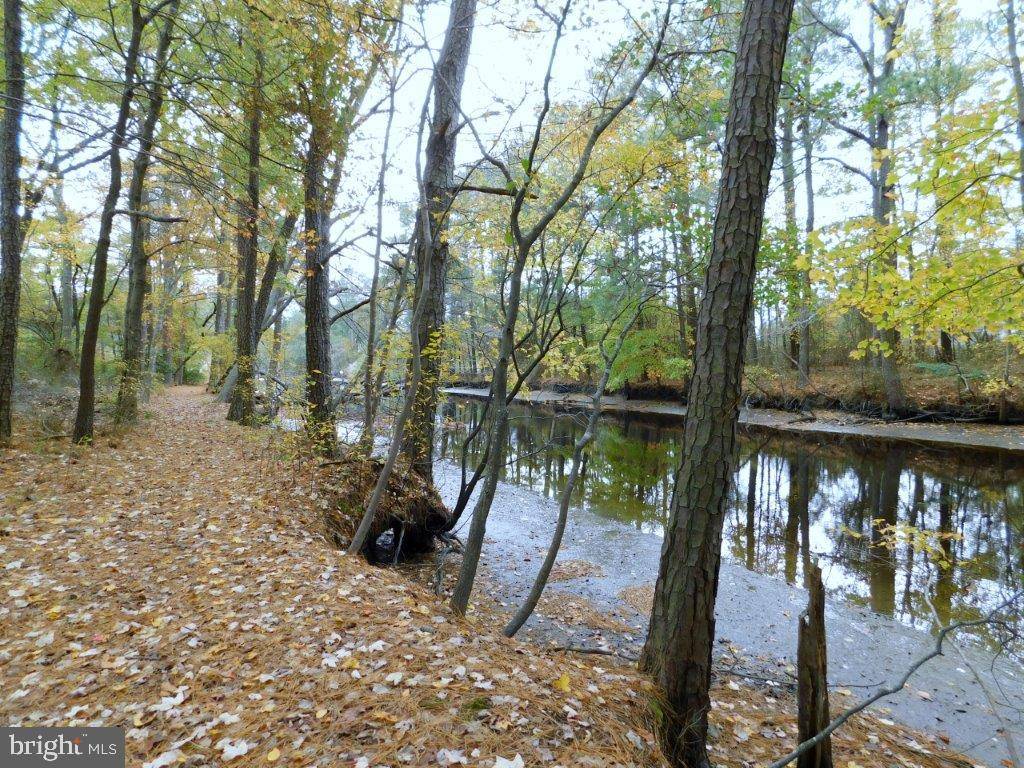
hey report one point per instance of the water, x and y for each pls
(902, 532)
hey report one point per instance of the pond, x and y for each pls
(907, 533)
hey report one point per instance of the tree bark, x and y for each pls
(86, 413)
(319, 422)
(10, 218)
(243, 409)
(677, 652)
(794, 283)
(127, 407)
(884, 203)
(438, 194)
(812, 676)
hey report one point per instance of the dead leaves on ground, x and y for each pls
(176, 584)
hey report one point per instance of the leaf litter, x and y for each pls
(176, 581)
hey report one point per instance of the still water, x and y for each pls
(899, 531)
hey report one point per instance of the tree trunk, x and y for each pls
(884, 207)
(942, 44)
(1018, 90)
(682, 627)
(319, 421)
(750, 530)
(243, 409)
(86, 414)
(812, 676)
(807, 140)
(68, 299)
(682, 250)
(276, 262)
(274, 369)
(267, 303)
(370, 395)
(218, 362)
(946, 353)
(10, 202)
(127, 407)
(437, 196)
(578, 468)
(794, 284)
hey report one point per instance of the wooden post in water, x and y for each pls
(812, 675)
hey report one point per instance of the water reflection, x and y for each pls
(852, 509)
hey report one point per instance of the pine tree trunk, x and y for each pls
(437, 196)
(682, 627)
(10, 202)
(86, 413)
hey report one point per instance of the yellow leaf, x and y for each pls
(562, 683)
(321, 714)
(273, 755)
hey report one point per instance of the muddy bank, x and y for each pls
(756, 622)
(930, 398)
(1007, 441)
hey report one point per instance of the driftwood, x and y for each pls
(812, 675)
(410, 508)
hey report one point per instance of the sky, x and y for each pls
(505, 73)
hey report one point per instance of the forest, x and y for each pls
(506, 384)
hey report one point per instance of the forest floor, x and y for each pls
(175, 581)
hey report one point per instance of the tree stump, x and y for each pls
(812, 676)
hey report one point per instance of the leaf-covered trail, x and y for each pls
(174, 581)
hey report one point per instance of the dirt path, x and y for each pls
(173, 582)
(1008, 440)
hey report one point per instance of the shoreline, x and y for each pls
(1005, 441)
(865, 649)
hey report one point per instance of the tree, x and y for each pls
(86, 413)
(523, 239)
(330, 105)
(677, 652)
(1018, 94)
(431, 236)
(127, 408)
(879, 68)
(10, 215)
(243, 407)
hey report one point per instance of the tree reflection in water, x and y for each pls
(794, 501)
